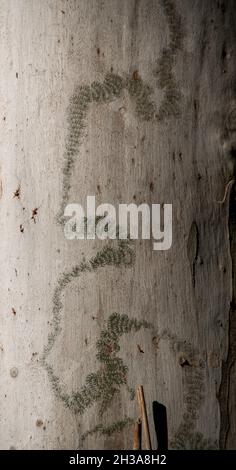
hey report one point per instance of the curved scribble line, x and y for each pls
(105, 92)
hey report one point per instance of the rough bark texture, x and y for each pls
(131, 100)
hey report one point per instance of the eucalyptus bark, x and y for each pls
(131, 101)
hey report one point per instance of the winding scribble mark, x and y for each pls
(113, 374)
(166, 79)
(187, 438)
(111, 89)
(140, 92)
(108, 430)
(108, 256)
(101, 386)
(193, 373)
(122, 256)
(99, 93)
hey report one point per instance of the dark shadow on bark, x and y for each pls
(160, 423)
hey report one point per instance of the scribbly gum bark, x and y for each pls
(133, 101)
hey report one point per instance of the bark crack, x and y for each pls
(193, 249)
(226, 382)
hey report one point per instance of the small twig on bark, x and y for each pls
(143, 410)
(226, 191)
(137, 434)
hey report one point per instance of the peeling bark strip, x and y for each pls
(227, 387)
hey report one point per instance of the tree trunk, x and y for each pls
(131, 101)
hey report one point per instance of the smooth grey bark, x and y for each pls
(134, 101)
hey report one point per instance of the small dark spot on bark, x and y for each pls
(17, 75)
(99, 188)
(151, 186)
(34, 213)
(183, 362)
(63, 12)
(13, 311)
(98, 51)
(17, 193)
(21, 228)
(14, 372)
(180, 156)
(155, 341)
(140, 349)
(222, 7)
(223, 53)
(135, 75)
(39, 423)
